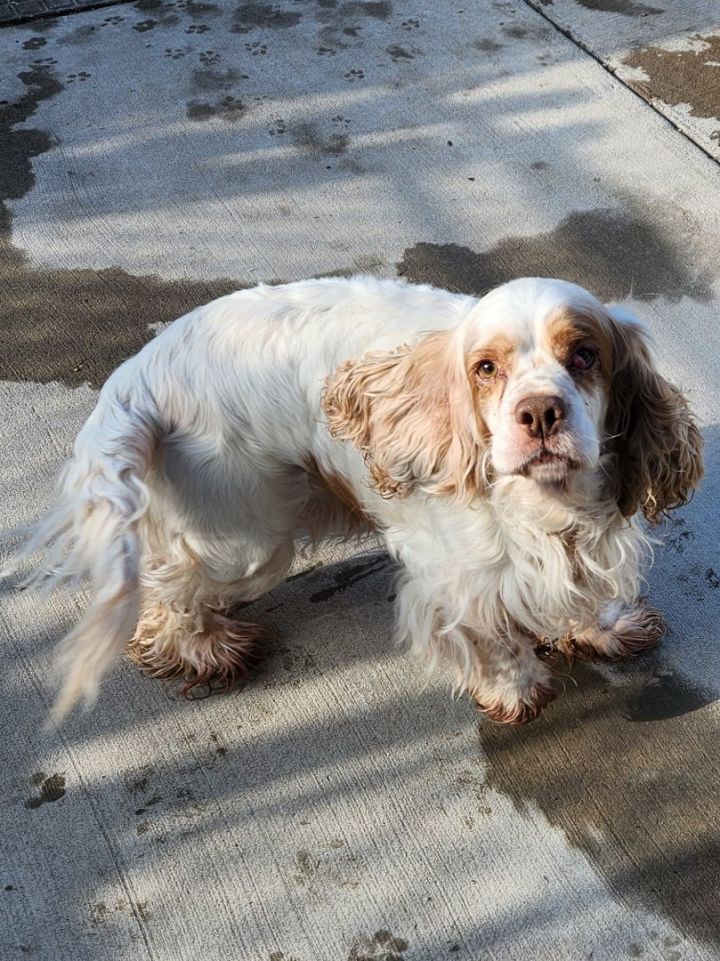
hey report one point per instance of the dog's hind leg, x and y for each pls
(212, 542)
(191, 625)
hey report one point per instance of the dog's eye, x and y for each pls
(487, 369)
(583, 359)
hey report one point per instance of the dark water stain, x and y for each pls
(198, 8)
(255, 16)
(73, 326)
(205, 79)
(142, 26)
(375, 9)
(52, 788)
(348, 576)
(626, 7)
(612, 252)
(398, 53)
(77, 326)
(34, 43)
(682, 76)
(640, 800)
(19, 146)
(227, 108)
(381, 946)
(487, 45)
(78, 36)
(525, 31)
(307, 136)
(153, 6)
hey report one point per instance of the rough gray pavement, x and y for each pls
(340, 809)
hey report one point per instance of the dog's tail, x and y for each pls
(93, 531)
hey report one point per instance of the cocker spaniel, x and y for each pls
(500, 446)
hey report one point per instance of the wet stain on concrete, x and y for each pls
(526, 31)
(627, 769)
(227, 108)
(305, 867)
(487, 45)
(198, 8)
(375, 9)
(255, 16)
(611, 252)
(308, 137)
(398, 53)
(73, 326)
(689, 77)
(381, 946)
(77, 326)
(19, 146)
(348, 576)
(629, 8)
(206, 79)
(52, 788)
(34, 43)
(142, 26)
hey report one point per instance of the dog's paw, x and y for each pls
(225, 652)
(523, 705)
(623, 631)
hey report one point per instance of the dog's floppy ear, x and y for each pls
(410, 413)
(657, 443)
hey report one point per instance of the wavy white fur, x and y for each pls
(501, 447)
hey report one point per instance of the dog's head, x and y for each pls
(539, 380)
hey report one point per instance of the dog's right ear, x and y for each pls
(410, 413)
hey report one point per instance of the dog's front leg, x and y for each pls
(621, 630)
(509, 683)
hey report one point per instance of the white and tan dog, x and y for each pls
(500, 446)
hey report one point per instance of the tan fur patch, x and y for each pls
(410, 413)
(340, 488)
(569, 329)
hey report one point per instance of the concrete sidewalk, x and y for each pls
(156, 154)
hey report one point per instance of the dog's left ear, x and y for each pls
(657, 443)
(410, 412)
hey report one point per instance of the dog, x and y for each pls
(501, 447)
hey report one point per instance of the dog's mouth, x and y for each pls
(548, 465)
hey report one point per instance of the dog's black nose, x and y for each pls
(541, 416)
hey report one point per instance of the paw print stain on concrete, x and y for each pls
(308, 137)
(229, 108)
(209, 57)
(381, 946)
(398, 53)
(254, 16)
(207, 78)
(305, 867)
(52, 788)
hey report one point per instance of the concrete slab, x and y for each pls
(668, 53)
(160, 153)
